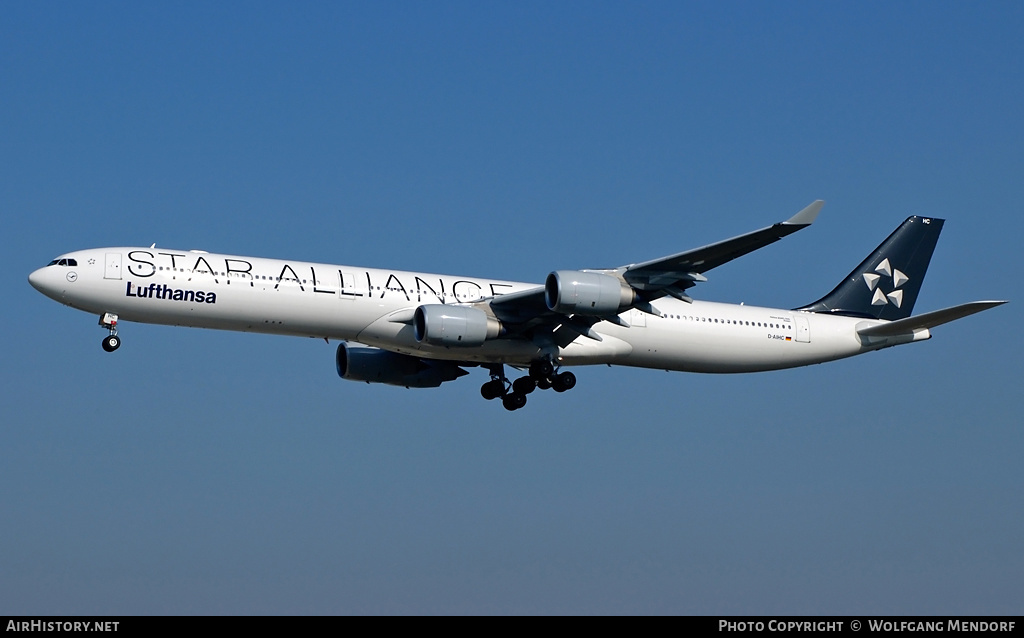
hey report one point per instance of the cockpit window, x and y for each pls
(63, 262)
(53, 263)
(72, 262)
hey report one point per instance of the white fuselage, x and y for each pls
(366, 305)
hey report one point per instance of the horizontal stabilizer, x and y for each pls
(927, 320)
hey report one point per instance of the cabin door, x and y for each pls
(353, 285)
(803, 328)
(112, 270)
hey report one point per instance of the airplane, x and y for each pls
(420, 330)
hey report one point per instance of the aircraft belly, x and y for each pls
(584, 351)
(238, 306)
(716, 348)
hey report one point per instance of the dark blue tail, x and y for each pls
(886, 284)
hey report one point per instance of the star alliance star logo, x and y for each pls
(873, 279)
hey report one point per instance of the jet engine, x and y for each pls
(442, 325)
(586, 293)
(374, 365)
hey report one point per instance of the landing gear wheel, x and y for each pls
(492, 389)
(513, 401)
(524, 385)
(544, 384)
(541, 369)
(564, 381)
(111, 343)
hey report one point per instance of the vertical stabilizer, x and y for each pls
(886, 284)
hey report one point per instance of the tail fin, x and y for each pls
(886, 284)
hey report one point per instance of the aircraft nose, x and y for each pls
(36, 279)
(44, 281)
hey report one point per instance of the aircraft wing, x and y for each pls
(520, 306)
(652, 279)
(683, 270)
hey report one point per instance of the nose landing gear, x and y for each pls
(111, 342)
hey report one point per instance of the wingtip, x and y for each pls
(807, 216)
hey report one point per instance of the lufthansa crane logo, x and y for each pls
(883, 272)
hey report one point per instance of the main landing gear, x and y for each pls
(513, 395)
(111, 342)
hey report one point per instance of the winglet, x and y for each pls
(807, 216)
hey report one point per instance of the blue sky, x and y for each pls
(204, 472)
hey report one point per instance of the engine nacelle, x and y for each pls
(374, 365)
(586, 293)
(442, 325)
